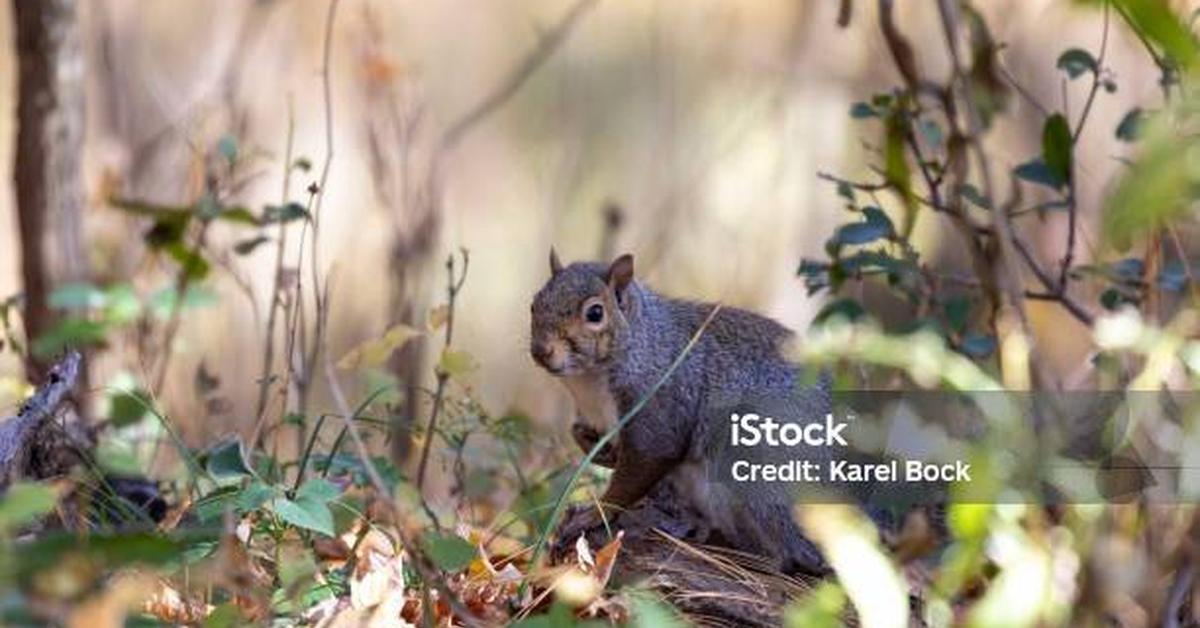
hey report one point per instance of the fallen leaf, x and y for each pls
(584, 554)
(606, 558)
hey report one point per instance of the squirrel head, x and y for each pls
(580, 316)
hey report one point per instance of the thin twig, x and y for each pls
(1096, 80)
(1078, 311)
(1006, 278)
(183, 281)
(264, 384)
(1021, 89)
(1072, 199)
(453, 286)
(320, 302)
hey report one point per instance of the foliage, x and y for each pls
(329, 530)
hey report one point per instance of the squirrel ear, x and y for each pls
(556, 265)
(620, 273)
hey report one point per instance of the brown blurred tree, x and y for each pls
(48, 167)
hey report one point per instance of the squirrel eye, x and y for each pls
(594, 313)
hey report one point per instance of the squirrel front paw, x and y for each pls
(586, 437)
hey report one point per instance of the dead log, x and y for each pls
(45, 439)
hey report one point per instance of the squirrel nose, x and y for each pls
(541, 351)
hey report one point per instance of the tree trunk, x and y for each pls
(48, 166)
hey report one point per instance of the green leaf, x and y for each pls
(979, 345)
(845, 308)
(1112, 299)
(70, 332)
(972, 193)
(287, 213)
(239, 215)
(164, 302)
(227, 460)
(254, 495)
(651, 612)
(122, 304)
(1056, 148)
(821, 608)
(896, 170)
(877, 217)
(126, 407)
(306, 513)
(449, 552)
(861, 233)
(931, 132)
(1158, 22)
(559, 616)
(969, 522)
(958, 310)
(151, 210)
(228, 147)
(296, 566)
(227, 615)
(213, 505)
(106, 551)
(318, 489)
(1174, 276)
(1035, 171)
(246, 247)
(207, 207)
(190, 261)
(1130, 127)
(1076, 61)
(1155, 190)
(456, 364)
(862, 110)
(23, 503)
(1129, 270)
(77, 296)
(845, 191)
(166, 232)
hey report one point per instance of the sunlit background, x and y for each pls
(705, 122)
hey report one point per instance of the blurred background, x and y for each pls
(688, 133)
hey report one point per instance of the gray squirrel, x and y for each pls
(610, 338)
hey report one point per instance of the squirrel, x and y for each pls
(610, 338)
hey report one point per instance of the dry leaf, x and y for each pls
(375, 352)
(438, 316)
(584, 554)
(606, 558)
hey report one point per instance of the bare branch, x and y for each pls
(548, 44)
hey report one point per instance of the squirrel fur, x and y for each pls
(610, 338)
